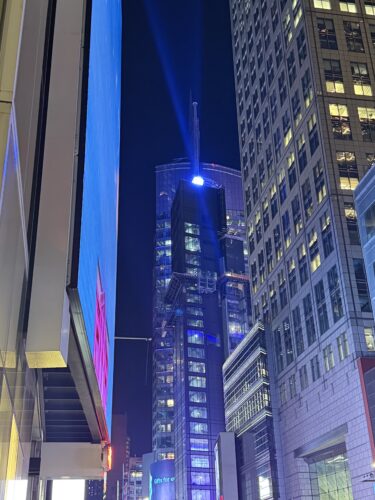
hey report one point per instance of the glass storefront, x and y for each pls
(329, 474)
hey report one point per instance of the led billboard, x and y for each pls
(99, 217)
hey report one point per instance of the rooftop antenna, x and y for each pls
(195, 139)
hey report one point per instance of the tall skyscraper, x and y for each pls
(60, 76)
(204, 260)
(305, 82)
(167, 179)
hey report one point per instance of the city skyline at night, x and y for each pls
(187, 249)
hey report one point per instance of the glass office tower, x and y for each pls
(305, 83)
(204, 258)
(167, 179)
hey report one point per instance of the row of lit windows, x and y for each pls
(341, 126)
(308, 257)
(246, 382)
(361, 87)
(348, 6)
(335, 81)
(247, 411)
(270, 210)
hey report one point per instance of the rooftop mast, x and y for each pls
(195, 140)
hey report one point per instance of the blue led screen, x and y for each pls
(98, 238)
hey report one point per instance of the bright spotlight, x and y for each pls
(198, 180)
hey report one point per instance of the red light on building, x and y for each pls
(109, 459)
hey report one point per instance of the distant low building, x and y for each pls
(134, 483)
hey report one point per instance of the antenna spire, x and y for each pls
(195, 139)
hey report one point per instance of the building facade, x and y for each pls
(134, 483)
(167, 179)
(206, 262)
(248, 414)
(304, 86)
(56, 326)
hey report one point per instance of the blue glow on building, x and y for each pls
(198, 180)
(98, 242)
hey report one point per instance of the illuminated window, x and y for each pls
(351, 223)
(200, 478)
(297, 11)
(200, 495)
(192, 244)
(197, 367)
(297, 215)
(307, 88)
(200, 461)
(302, 264)
(329, 360)
(197, 397)
(367, 122)
(197, 381)
(198, 444)
(320, 185)
(325, 226)
(194, 311)
(192, 259)
(333, 76)
(361, 79)
(198, 428)
(314, 250)
(197, 323)
(195, 337)
(287, 27)
(369, 338)
(191, 228)
(348, 7)
(193, 299)
(370, 7)
(322, 4)
(343, 346)
(198, 412)
(340, 121)
(196, 352)
(348, 170)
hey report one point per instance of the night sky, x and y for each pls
(171, 49)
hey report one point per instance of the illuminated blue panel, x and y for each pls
(98, 243)
(162, 480)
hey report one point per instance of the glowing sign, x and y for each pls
(162, 480)
(99, 219)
